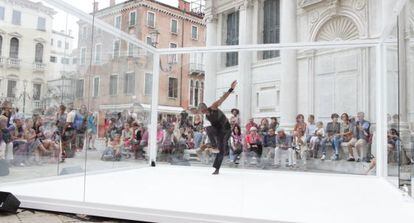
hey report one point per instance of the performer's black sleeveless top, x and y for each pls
(218, 119)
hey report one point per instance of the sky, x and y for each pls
(59, 21)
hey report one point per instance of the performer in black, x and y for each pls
(220, 131)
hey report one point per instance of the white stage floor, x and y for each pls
(192, 194)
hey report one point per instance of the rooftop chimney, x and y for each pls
(112, 3)
(184, 5)
(95, 6)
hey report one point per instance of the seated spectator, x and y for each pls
(269, 143)
(235, 118)
(126, 136)
(299, 141)
(198, 123)
(254, 142)
(169, 141)
(198, 138)
(317, 137)
(361, 137)
(345, 133)
(251, 124)
(113, 151)
(136, 140)
(310, 128)
(264, 127)
(284, 144)
(274, 124)
(332, 130)
(19, 142)
(394, 142)
(236, 142)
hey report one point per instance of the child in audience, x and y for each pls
(315, 140)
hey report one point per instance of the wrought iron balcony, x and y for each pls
(196, 69)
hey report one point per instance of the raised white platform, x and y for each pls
(192, 194)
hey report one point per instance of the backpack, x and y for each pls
(78, 123)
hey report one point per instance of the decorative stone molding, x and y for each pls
(16, 34)
(338, 28)
(359, 4)
(307, 3)
(211, 18)
(40, 40)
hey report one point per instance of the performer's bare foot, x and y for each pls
(216, 172)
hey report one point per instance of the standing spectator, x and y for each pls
(394, 142)
(235, 118)
(6, 143)
(284, 144)
(251, 124)
(269, 142)
(68, 135)
(264, 127)
(80, 127)
(361, 137)
(7, 112)
(136, 140)
(236, 142)
(254, 142)
(274, 123)
(332, 130)
(91, 131)
(19, 142)
(310, 128)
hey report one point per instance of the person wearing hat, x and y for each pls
(220, 130)
(284, 144)
(254, 142)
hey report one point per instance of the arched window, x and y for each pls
(14, 48)
(202, 92)
(1, 44)
(196, 94)
(39, 53)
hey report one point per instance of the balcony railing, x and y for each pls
(37, 104)
(39, 67)
(196, 69)
(13, 63)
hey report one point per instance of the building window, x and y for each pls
(232, 38)
(1, 13)
(271, 26)
(66, 45)
(1, 44)
(11, 89)
(172, 87)
(194, 32)
(131, 49)
(129, 83)
(39, 53)
(16, 19)
(132, 18)
(149, 41)
(75, 60)
(191, 92)
(95, 87)
(59, 44)
(41, 24)
(79, 88)
(83, 56)
(98, 53)
(117, 23)
(84, 32)
(64, 60)
(174, 26)
(113, 85)
(37, 90)
(14, 48)
(173, 57)
(151, 19)
(148, 84)
(117, 50)
(51, 42)
(53, 59)
(196, 93)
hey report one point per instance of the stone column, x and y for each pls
(289, 77)
(210, 64)
(244, 89)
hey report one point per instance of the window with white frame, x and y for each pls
(232, 38)
(53, 59)
(151, 19)
(196, 92)
(1, 13)
(84, 32)
(174, 26)
(11, 88)
(37, 90)
(59, 43)
(149, 41)
(148, 84)
(51, 42)
(117, 48)
(98, 53)
(66, 45)
(83, 56)
(132, 18)
(194, 32)
(95, 92)
(117, 22)
(131, 47)
(17, 17)
(39, 53)
(113, 85)
(41, 24)
(196, 61)
(172, 87)
(271, 26)
(14, 48)
(173, 57)
(80, 86)
(129, 83)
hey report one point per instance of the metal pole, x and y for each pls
(152, 145)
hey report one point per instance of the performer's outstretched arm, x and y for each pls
(218, 103)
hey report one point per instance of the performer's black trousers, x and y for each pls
(219, 138)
